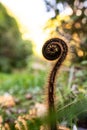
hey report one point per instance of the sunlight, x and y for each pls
(31, 16)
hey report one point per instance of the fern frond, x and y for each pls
(71, 111)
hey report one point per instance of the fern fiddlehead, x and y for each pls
(53, 49)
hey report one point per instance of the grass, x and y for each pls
(20, 83)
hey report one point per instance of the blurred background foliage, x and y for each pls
(26, 84)
(14, 51)
(71, 25)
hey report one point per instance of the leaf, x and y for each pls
(71, 111)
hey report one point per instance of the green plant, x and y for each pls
(54, 48)
(70, 113)
(14, 51)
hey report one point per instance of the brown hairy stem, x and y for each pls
(53, 49)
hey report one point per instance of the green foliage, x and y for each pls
(72, 102)
(19, 84)
(13, 49)
(72, 96)
(71, 111)
(34, 124)
(14, 52)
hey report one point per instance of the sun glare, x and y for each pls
(31, 16)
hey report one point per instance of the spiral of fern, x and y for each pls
(53, 49)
